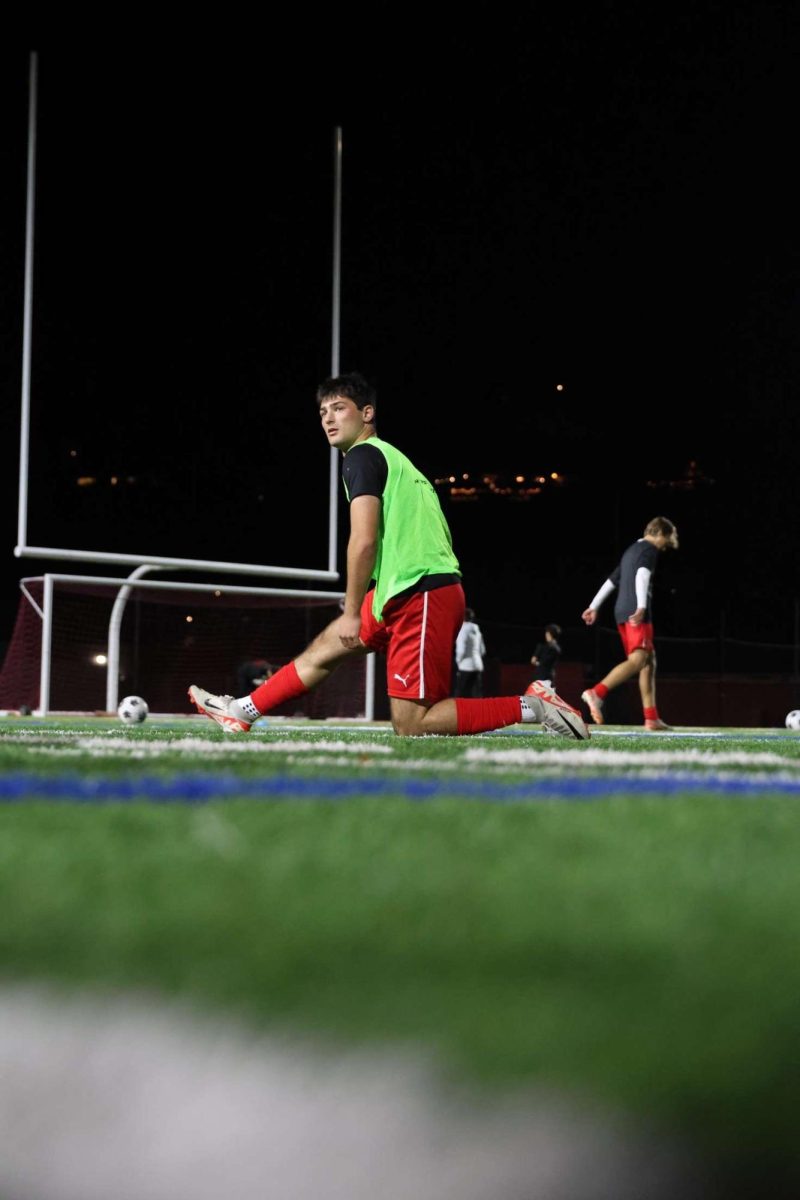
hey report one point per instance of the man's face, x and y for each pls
(343, 422)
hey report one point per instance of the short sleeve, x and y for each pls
(364, 471)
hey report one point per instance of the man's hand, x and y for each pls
(589, 616)
(348, 629)
(637, 617)
(535, 661)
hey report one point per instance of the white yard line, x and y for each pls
(124, 1099)
(522, 757)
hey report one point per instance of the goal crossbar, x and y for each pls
(177, 564)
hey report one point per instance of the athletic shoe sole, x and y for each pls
(566, 725)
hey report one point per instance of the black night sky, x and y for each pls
(607, 202)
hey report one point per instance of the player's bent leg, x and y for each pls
(461, 717)
(414, 718)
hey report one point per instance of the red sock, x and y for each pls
(651, 714)
(600, 690)
(284, 685)
(479, 716)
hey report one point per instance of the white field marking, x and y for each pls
(634, 758)
(143, 1100)
(555, 773)
(234, 745)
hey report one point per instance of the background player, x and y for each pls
(414, 608)
(470, 653)
(547, 654)
(633, 576)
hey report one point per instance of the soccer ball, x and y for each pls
(793, 720)
(133, 710)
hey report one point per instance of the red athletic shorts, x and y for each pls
(418, 634)
(636, 637)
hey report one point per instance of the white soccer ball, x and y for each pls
(793, 720)
(133, 710)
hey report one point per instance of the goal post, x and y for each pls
(172, 634)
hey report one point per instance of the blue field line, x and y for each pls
(198, 789)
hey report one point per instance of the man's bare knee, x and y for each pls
(408, 718)
(407, 726)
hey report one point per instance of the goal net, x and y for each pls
(170, 638)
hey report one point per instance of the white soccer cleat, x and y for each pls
(595, 705)
(219, 709)
(548, 709)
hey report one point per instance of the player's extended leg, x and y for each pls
(311, 668)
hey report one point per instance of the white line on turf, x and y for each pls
(233, 745)
(137, 1100)
(616, 758)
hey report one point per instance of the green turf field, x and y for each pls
(619, 917)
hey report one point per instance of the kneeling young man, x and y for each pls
(633, 576)
(403, 595)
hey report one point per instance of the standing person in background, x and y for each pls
(547, 654)
(633, 576)
(470, 652)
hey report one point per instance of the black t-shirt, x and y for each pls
(640, 554)
(548, 654)
(364, 471)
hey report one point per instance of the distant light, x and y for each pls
(465, 475)
(452, 479)
(130, 479)
(520, 478)
(190, 619)
(73, 453)
(218, 593)
(559, 387)
(541, 479)
(100, 659)
(86, 481)
(114, 480)
(554, 474)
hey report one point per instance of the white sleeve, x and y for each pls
(461, 642)
(605, 590)
(642, 586)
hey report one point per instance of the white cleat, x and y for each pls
(546, 707)
(595, 705)
(219, 709)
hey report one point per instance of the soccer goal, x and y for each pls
(170, 635)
